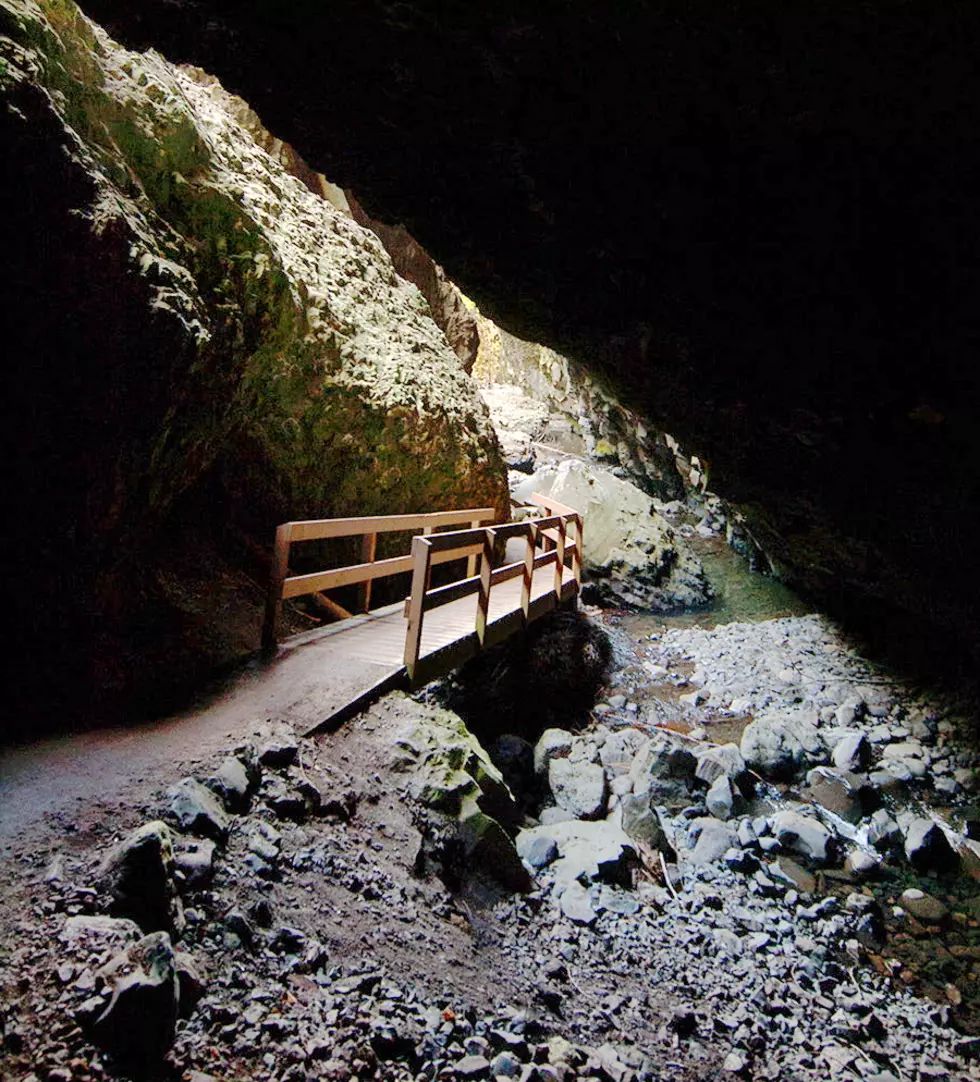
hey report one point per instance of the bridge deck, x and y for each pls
(364, 656)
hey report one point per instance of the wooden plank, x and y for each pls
(541, 605)
(327, 604)
(317, 529)
(471, 561)
(512, 529)
(543, 559)
(551, 506)
(421, 554)
(486, 581)
(527, 576)
(577, 553)
(273, 600)
(502, 628)
(505, 573)
(559, 560)
(369, 547)
(445, 659)
(457, 539)
(445, 595)
(344, 576)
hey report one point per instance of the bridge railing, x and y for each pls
(549, 543)
(282, 585)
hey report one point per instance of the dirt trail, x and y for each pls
(54, 775)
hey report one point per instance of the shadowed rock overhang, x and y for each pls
(760, 219)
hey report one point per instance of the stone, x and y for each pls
(230, 782)
(861, 863)
(514, 758)
(794, 873)
(552, 744)
(846, 795)
(505, 1065)
(883, 831)
(683, 1021)
(778, 745)
(473, 1067)
(852, 753)
(194, 808)
(664, 771)
(725, 760)
(283, 800)
(190, 984)
(139, 1024)
(279, 750)
(99, 933)
(720, 799)
(619, 749)
(487, 845)
(616, 900)
(538, 851)
(714, 841)
(632, 553)
(641, 822)
(139, 877)
(579, 787)
(804, 835)
(927, 847)
(195, 861)
(597, 851)
(923, 906)
(576, 904)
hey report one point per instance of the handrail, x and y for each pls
(282, 585)
(449, 545)
(552, 541)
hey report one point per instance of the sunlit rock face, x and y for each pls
(764, 220)
(200, 346)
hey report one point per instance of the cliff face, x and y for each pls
(413, 262)
(199, 346)
(767, 240)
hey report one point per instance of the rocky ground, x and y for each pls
(752, 862)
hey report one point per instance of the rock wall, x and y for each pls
(414, 263)
(565, 406)
(199, 346)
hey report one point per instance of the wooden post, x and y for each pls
(532, 538)
(471, 561)
(560, 561)
(486, 575)
(577, 554)
(421, 555)
(277, 576)
(369, 545)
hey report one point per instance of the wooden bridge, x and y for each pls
(440, 626)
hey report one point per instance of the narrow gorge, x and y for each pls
(700, 275)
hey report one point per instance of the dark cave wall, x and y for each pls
(761, 219)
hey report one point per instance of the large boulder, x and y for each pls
(594, 851)
(847, 795)
(805, 835)
(778, 745)
(663, 771)
(196, 809)
(139, 1023)
(927, 847)
(578, 787)
(453, 778)
(633, 555)
(139, 878)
